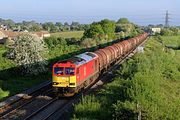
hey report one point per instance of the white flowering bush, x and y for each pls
(27, 51)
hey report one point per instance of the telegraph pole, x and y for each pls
(167, 19)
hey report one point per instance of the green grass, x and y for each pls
(71, 34)
(4, 63)
(148, 83)
(3, 93)
(171, 40)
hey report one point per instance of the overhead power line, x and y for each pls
(167, 19)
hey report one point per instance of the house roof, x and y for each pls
(10, 34)
(13, 34)
(2, 35)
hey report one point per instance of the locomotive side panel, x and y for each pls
(85, 71)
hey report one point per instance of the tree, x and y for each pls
(59, 25)
(29, 25)
(123, 21)
(66, 24)
(95, 31)
(28, 52)
(10, 23)
(101, 30)
(49, 26)
(108, 27)
(75, 24)
(85, 27)
(130, 29)
(35, 27)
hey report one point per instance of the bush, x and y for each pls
(169, 31)
(88, 42)
(124, 111)
(28, 52)
(54, 41)
(9, 43)
(3, 93)
(88, 108)
(74, 41)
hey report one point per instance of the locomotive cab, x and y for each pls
(64, 75)
(74, 74)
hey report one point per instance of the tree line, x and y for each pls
(33, 26)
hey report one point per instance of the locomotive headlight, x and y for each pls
(55, 83)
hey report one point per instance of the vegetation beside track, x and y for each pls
(146, 86)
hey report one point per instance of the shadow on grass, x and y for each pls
(173, 47)
(13, 81)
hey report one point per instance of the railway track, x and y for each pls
(41, 105)
(53, 109)
(18, 101)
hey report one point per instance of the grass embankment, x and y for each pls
(147, 86)
(71, 34)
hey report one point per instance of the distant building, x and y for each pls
(42, 34)
(3, 27)
(4, 34)
(155, 30)
(7, 34)
(10, 34)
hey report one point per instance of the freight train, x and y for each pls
(79, 72)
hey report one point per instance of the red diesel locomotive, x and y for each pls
(80, 71)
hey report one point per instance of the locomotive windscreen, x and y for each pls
(58, 70)
(69, 71)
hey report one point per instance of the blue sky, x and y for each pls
(87, 11)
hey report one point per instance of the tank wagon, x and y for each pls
(72, 75)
